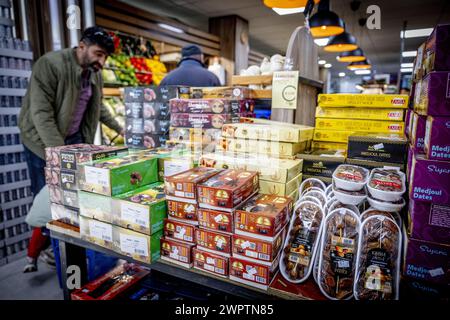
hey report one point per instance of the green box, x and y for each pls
(142, 210)
(95, 206)
(114, 176)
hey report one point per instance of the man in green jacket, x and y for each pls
(63, 105)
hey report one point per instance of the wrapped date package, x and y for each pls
(339, 242)
(377, 275)
(374, 212)
(386, 184)
(302, 240)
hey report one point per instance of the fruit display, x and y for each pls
(116, 108)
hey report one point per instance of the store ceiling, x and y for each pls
(270, 32)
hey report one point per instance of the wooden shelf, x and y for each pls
(247, 80)
(261, 94)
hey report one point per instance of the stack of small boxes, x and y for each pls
(428, 246)
(354, 126)
(122, 205)
(62, 164)
(148, 115)
(265, 146)
(196, 123)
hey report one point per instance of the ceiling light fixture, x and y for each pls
(286, 4)
(170, 28)
(351, 56)
(285, 11)
(322, 62)
(409, 53)
(321, 42)
(342, 42)
(328, 65)
(407, 65)
(406, 70)
(359, 65)
(325, 23)
(416, 33)
(361, 72)
(341, 74)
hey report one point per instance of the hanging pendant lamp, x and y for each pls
(342, 42)
(351, 56)
(325, 23)
(359, 65)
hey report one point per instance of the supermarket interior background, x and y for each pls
(327, 115)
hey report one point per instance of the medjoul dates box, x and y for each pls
(434, 97)
(227, 189)
(427, 261)
(377, 147)
(418, 129)
(437, 138)
(114, 176)
(429, 222)
(437, 50)
(430, 180)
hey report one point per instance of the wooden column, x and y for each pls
(234, 47)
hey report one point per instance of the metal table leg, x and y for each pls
(72, 255)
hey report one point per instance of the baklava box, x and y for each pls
(227, 189)
(437, 50)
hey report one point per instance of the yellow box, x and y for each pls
(361, 113)
(270, 169)
(371, 126)
(280, 189)
(275, 149)
(265, 131)
(332, 135)
(320, 145)
(399, 101)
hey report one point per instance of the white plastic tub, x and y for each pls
(390, 196)
(347, 198)
(385, 205)
(350, 185)
(338, 204)
(320, 195)
(312, 182)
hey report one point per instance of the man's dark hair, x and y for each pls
(98, 36)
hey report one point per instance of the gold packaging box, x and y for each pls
(319, 145)
(275, 149)
(269, 169)
(371, 126)
(280, 189)
(361, 113)
(398, 101)
(332, 135)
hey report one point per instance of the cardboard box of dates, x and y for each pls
(214, 242)
(227, 189)
(216, 220)
(429, 222)
(180, 231)
(361, 113)
(437, 142)
(363, 100)
(263, 216)
(177, 252)
(372, 126)
(183, 186)
(210, 262)
(118, 175)
(186, 212)
(378, 147)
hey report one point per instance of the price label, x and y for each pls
(284, 89)
(210, 261)
(134, 244)
(100, 230)
(135, 214)
(97, 176)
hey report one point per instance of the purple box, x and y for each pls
(430, 180)
(408, 116)
(437, 50)
(427, 261)
(419, 124)
(437, 138)
(429, 222)
(411, 152)
(217, 106)
(202, 120)
(434, 96)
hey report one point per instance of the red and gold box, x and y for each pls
(182, 186)
(227, 189)
(182, 210)
(258, 250)
(253, 274)
(112, 284)
(215, 220)
(177, 252)
(180, 231)
(212, 241)
(210, 262)
(262, 216)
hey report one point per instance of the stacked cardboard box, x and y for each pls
(182, 206)
(428, 245)
(148, 114)
(62, 165)
(196, 123)
(122, 205)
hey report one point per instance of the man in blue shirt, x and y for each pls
(191, 71)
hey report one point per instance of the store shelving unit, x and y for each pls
(15, 193)
(72, 252)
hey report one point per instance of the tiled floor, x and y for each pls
(40, 285)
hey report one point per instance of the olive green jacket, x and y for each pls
(52, 95)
